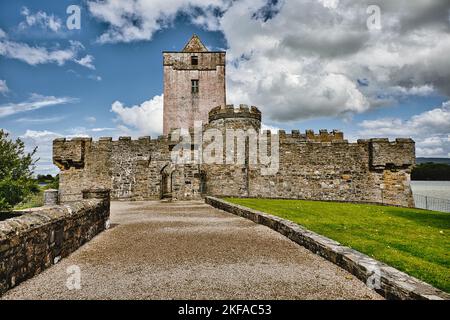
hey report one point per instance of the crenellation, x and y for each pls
(324, 135)
(243, 108)
(229, 111)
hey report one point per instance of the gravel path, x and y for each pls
(189, 250)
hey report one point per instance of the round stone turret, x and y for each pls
(243, 117)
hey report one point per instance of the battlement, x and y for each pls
(324, 136)
(311, 136)
(72, 153)
(229, 111)
(391, 154)
(108, 139)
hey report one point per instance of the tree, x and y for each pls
(16, 170)
(54, 184)
(431, 172)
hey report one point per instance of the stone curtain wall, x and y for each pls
(320, 166)
(335, 170)
(132, 169)
(38, 239)
(338, 170)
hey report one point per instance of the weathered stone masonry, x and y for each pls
(38, 239)
(312, 166)
(320, 166)
(182, 106)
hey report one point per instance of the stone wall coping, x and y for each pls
(41, 237)
(111, 140)
(393, 284)
(38, 217)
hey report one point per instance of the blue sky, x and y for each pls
(301, 62)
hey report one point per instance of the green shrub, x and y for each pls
(16, 169)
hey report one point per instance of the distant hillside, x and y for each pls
(431, 172)
(433, 160)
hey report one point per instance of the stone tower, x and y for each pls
(194, 83)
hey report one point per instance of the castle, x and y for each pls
(317, 166)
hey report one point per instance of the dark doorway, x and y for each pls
(166, 182)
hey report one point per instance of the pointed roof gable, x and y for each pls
(195, 45)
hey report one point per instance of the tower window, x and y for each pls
(194, 86)
(194, 60)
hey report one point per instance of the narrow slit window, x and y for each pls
(194, 60)
(194, 86)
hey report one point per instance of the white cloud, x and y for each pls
(435, 121)
(35, 55)
(272, 129)
(86, 61)
(303, 59)
(139, 20)
(32, 134)
(430, 129)
(332, 4)
(91, 119)
(147, 117)
(94, 77)
(43, 140)
(40, 120)
(40, 19)
(36, 101)
(305, 62)
(102, 129)
(3, 87)
(414, 91)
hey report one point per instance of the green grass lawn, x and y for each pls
(412, 240)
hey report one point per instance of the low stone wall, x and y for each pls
(42, 236)
(387, 281)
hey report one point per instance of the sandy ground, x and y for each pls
(189, 250)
